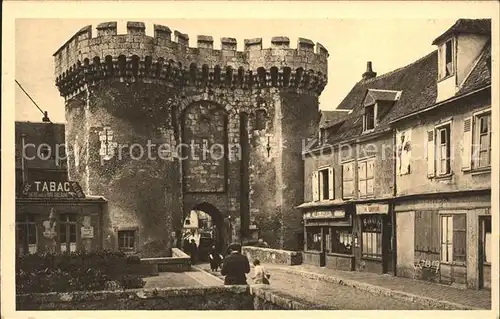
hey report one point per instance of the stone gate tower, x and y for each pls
(223, 130)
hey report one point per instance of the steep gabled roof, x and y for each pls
(464, 26)
(417, 81)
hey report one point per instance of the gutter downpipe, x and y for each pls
(393, 206)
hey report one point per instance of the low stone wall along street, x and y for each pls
(273, 256)
(202, 298)
(179, 262)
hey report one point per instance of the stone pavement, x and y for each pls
(376, 291)
(398, 287)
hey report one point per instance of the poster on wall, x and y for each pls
(403, 147)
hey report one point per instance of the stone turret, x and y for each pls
(131, 89)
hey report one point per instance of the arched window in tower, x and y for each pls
(260, 119)
(250, 80)
(135, 65)
(170, 69)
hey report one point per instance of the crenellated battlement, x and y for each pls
(86, 58)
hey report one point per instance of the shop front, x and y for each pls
(53, 216)
(374, 252)
(329, 238)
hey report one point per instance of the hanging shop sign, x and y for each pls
(52, 189)
(325, 214)
(374, 208)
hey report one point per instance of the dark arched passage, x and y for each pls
(220, 232)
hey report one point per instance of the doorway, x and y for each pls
(485, 252)
(205, 224)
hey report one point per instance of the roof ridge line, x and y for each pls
(396, 70)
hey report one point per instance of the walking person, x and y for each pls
(261, 275)
(235, 267)
(215, 258)
(194, 252)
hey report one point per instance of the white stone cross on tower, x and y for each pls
(107, 150)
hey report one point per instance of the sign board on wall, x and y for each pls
(52, 189)
(374, 208)
(87, 232)
(325, 214)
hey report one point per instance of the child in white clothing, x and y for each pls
(261, 275)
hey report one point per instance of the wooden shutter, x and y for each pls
(467, 158)
(362, 179)
(459, 237)
(441, 61)
(315, 184)
(430, 154)
(331, 183)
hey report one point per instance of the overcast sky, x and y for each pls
(389, 44)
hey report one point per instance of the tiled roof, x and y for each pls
(480, 75)
(476, 26)
(330, 118)
(417, 82)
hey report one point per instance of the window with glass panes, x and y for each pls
(313, 239)
(341, 240)
(126, 239)
(26, 234)
(68, 232)
(453, 238)
(371, 236)
(483, 142)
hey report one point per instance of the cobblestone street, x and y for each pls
(334, 296)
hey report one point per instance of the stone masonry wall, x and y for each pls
(137, 88)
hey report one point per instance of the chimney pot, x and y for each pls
(369, 74)
(45, 117)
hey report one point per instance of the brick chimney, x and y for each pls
(45, 118)
(369, 74)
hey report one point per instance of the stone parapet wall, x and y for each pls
(204, 298)
(84, 58)
(273, 256)
(179, 262)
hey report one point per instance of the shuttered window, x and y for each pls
(453, 238)
(366, 177)
(348, 180)
(323, 184)
(427, 232)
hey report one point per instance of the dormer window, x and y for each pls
(447, 60)
(369, 117)
(322, 135)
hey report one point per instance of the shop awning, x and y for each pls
(328, 203)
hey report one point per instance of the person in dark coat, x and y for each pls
(235, 267)
(194, 252)
(215, 258)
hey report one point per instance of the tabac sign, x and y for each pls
(52, 189)
(325, 214)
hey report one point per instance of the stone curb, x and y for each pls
(396, 294)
